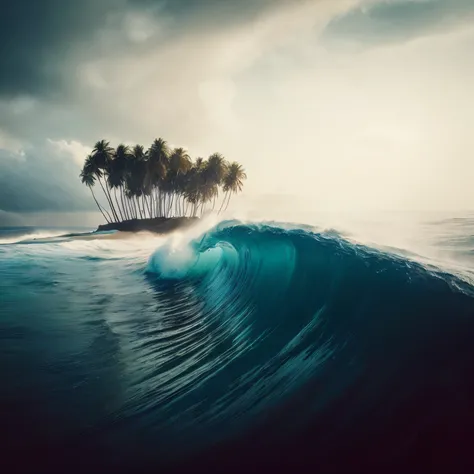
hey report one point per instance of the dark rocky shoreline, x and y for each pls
(159, 225)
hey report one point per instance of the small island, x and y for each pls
(159, 189)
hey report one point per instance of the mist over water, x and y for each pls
(339, 343)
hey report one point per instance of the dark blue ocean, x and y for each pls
(239, 347)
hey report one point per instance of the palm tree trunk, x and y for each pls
(112, 202)
(130, 206)
(118, 205)
(134, 201)
(138, 205)
(159, 202)
(125, 210)
(170, 205)
(228, 200)
(150, 206)
(223, 202)
(100, 208)
(145, 205)
(107, 196)
(122, 204)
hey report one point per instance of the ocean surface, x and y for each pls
(237, 346)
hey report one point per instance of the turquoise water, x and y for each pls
(244, 345)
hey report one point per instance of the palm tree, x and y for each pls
(180, 161)
(159, 182)
(102, 156)
(88, 178)
(216, 169)
(158, 161)
(95, 166)
(233, 182)
(179, 164)
(135, 177)
(193, 184)
(208, 191)
(117, 174)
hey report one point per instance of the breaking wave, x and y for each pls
(261, 345)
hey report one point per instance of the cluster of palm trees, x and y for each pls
(159, 182)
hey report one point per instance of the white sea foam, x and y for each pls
(32, 237)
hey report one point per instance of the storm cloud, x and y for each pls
(40, 41)
(43, 178)
(399, 20)
(38, 38)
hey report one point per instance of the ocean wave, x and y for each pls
(288, 315)
(271, 344)
(24, 237)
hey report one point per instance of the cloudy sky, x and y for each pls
(345, 103)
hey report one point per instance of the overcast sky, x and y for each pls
(345, 103)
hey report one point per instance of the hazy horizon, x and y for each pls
(251, 211)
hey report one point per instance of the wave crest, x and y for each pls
(290, 311)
